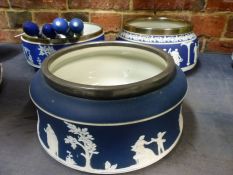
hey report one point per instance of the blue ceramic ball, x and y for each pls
(60, 25)
(31, 28)
(76, 25)
(48, 31)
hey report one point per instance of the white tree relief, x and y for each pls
(176, 56)
(187, 44)
(195, 51)
(84, 140)
(69, 158)
(51, 140)
(143, 155)
(27, 52)
(46, 50)
(108, 166)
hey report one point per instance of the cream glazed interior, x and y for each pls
(107, 66)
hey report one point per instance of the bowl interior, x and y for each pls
(107, 65)
(90, 29)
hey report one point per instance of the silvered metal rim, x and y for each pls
(64, 40)
(109, 92)
(153, 31)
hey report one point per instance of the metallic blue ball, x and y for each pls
(76, 25)
(60, 25)
(48, 31)
(31, 28)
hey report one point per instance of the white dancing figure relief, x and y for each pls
(83, 140)
(176, 56)
(51, 140)
(187, 44)
(144, 156)
(160, 141)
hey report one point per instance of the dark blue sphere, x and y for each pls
(48, 31)
(76, 25)
(31, 28)
(60, 25)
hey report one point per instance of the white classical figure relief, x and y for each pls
(144, 156)
(176, 56)
(51, 140)
(69, 158)
(160, 141)
(46, 50)
(195, 52)
(27, 52)
(187, 44)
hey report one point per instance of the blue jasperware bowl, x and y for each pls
(174, 36)
(109, 107)
(37, 49)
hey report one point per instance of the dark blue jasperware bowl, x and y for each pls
(109, 107)
(37, 49)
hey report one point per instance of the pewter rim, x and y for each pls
(152, 31)
(63, 40)
(109, 92)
